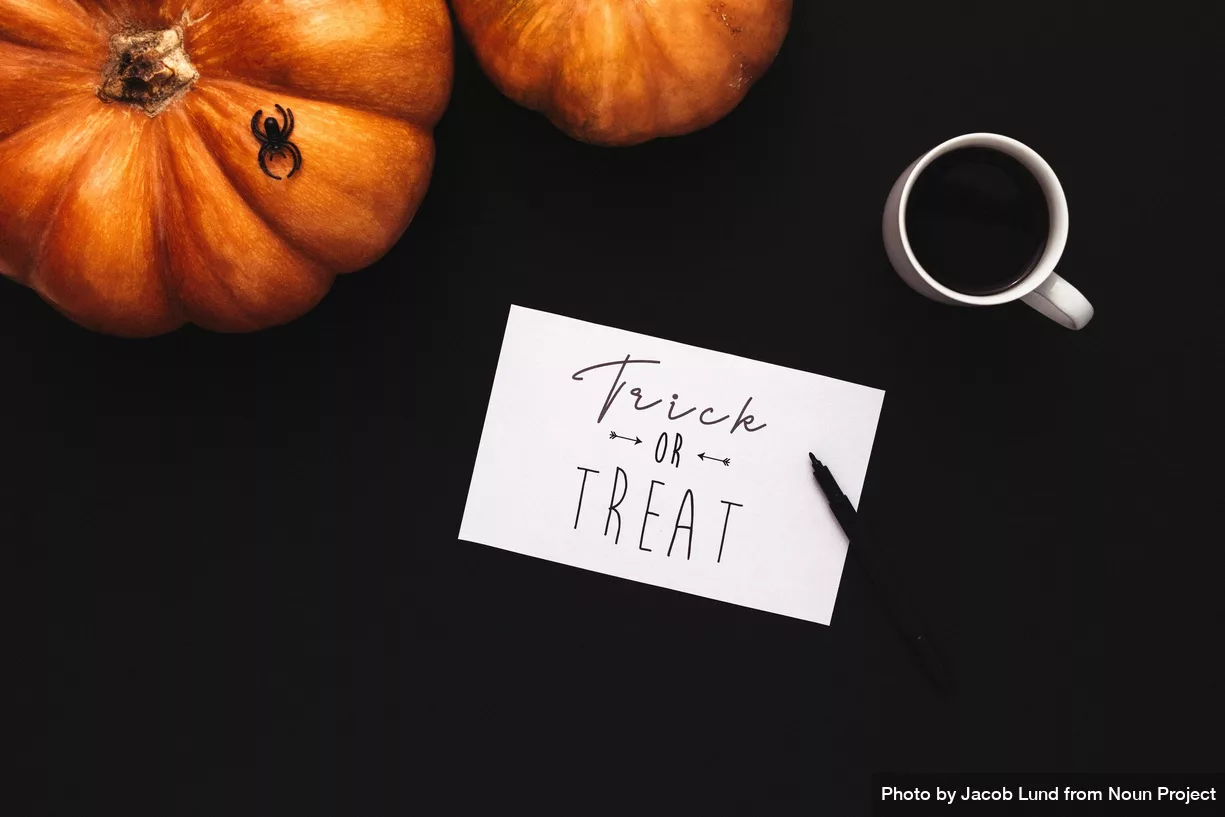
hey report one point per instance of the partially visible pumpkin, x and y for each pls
(131, 195)
(619, 72)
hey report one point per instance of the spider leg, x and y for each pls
(263, 162)
(289, 130)
(255, 129)
(284, 122)
(297, 158)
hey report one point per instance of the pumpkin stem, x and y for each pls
(149, 70)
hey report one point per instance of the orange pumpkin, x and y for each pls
(145, 164)
(619, 72)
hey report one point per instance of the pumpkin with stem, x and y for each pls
(146, 152)
(620, 72)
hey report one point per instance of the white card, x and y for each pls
(718, 498)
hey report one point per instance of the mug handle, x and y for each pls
(1061, 302)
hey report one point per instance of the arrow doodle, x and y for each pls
(612, 435)
(703, 457)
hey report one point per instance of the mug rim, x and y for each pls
(1056, 204)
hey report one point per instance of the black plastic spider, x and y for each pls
(274, 140)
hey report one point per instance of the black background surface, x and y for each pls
(237, 555)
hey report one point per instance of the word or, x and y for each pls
(685, 513)
(661, 449)
(612, 435)
(743, 419)
(274, 140)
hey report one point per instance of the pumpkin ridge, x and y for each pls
(546, 100)
(96, 284)
(70, 183)
(35, 46)
(365, 60)
(223, 77)
(4, 137)
(524, 95)
(27, 138)
(165, 178)
(656, 37)
(79, 7)
(152, 13)
(58, 80)
(243, 196)
(236, 302)
(65, 41)
(649, 34)
(363, 219)
(194, 131)
(254, 207)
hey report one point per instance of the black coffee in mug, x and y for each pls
(977, 220)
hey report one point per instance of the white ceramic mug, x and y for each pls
(1041, 288)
